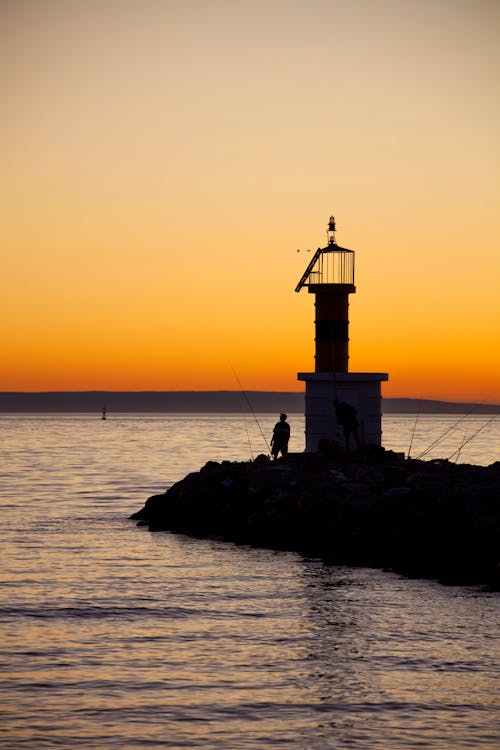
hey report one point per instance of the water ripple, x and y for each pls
(116, 638)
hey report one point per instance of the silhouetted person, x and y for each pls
(280, 438)
(347, 417)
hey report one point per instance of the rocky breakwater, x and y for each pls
(431, 519)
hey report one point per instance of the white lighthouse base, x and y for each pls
(360, 389)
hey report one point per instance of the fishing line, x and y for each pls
(250, 406)
(438, 440)
(247, 434)
(458, 452)
(464, 442)
(413, 433)
(335, 389)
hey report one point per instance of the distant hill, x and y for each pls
(425, 406)
(152, 401)
(207, 401)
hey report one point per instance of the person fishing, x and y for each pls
(347, 418)
(280, 438)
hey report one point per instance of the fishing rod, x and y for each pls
(439, 439)
(413, 433)
(334, 363)
(250, 406)
(464, 442)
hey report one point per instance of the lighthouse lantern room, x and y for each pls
(330, 277)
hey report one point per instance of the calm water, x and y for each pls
(113, 637)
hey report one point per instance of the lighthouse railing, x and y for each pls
(330, 265)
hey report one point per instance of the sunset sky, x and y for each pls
(164, 160)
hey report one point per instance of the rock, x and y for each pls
(428, 519)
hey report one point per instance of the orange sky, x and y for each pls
(163, 160)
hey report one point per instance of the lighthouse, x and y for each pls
(330, 277)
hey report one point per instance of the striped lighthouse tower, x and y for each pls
(330, 277)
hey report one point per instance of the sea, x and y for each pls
(116, 637)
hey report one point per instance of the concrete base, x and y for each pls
(360, 389)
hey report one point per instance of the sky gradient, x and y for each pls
(163, 162)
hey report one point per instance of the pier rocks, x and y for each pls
(431, 519)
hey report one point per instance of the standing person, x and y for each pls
(280, 438)
(347, 417)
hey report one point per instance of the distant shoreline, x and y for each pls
(207, 402)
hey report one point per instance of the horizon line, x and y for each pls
(222, 390)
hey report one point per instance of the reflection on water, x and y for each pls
(117, 638)
(387, 670)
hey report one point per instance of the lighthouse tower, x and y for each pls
(330, 277)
